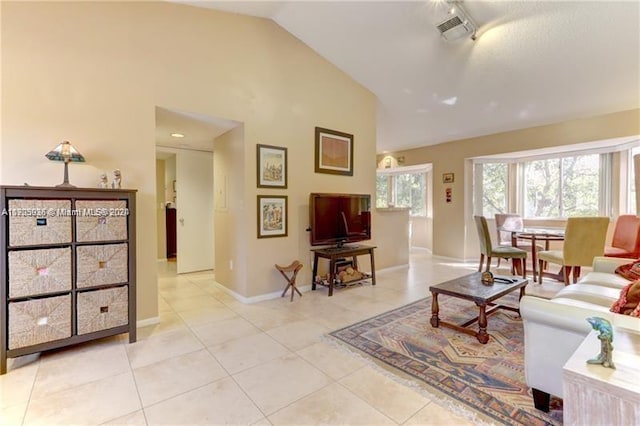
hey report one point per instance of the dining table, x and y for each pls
(537, 235)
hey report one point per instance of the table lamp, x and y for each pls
(67, 153)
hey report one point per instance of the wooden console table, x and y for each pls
(336, 253)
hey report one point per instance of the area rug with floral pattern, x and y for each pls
(487, 379)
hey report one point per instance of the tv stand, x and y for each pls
(339, 252)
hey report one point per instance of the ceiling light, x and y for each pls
(177, 135)
(450, 101)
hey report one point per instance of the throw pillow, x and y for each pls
(630, 271)
(629, 301)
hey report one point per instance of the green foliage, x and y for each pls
(407, 190)
(382, 191)
(562, 187)
(494, 188)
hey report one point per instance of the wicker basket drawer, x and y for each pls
(39, 321)
(100, 265)
(39, 271)
(103, 309)
(39, 222)
(101, 220)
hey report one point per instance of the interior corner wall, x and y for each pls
(453, 229)
(94, 72)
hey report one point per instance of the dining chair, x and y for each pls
(506, 224)
(584, 239)
(501, 252)
(626, 238)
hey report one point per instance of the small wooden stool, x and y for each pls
(291, 280)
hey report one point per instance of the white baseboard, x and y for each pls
(393, 268)
(261, 297)
(148, 322)
(454, 259)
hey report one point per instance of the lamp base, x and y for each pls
(65, 183)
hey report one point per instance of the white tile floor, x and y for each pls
(214, 360)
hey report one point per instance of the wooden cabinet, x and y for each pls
(67, 270)
(171, 227)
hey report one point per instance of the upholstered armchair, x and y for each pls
(626, 238)
(584, 239)
(505, 252)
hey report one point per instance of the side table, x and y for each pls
(335, 253)
(595, 395)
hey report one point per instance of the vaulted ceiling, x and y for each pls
(533, 62)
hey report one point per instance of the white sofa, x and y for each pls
(554, 328)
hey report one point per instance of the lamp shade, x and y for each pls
(65, 152)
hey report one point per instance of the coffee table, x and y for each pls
(470, 287)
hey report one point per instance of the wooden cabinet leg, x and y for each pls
(373, 268)
(541, 400)
(482, 335)
(435, 309)
(315, 271)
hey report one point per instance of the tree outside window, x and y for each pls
(403, 190)
(494, 188)
(562, 187)
(382, 191)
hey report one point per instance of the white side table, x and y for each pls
(595, 395)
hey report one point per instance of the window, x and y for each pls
(410, 191)
(382, 190)
(402, 190)
(545, 187)
(494, 188)
(632, 206)
(563, 187)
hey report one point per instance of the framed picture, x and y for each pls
(272, 216)
(447, 178)
(272, 166)
(334, 152)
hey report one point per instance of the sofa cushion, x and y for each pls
(587, 306)
(630, 271)
(604, 279)
(592, 293)
(629, 301)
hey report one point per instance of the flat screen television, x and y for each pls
(338, 219)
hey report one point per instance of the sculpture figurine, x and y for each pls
(117, 179)
(605, 335)
(104, 182)
(487, 278)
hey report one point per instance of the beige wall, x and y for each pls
(230, 217)
(391, 236)
(453, 229)
(169, 179)
(421, 229)
(93, 73)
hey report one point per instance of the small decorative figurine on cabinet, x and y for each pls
(605, 335)
(117, 179)
(104, 182)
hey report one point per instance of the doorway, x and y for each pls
(185, 187)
